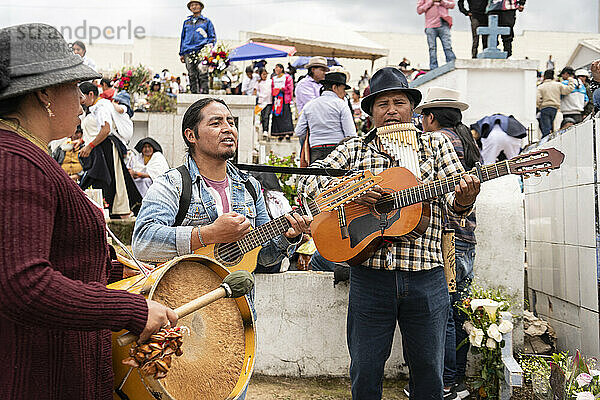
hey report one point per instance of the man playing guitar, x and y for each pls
(221, 209)
(403, 282)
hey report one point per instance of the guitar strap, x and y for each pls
(186, 194)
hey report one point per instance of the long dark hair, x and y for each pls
(451, 118)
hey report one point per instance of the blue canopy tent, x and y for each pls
(257, 51)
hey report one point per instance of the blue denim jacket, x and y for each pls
(156, 240)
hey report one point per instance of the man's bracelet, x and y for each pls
(92, 145)
(202, 244)
(461, 206)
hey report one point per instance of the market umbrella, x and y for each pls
(258, 50)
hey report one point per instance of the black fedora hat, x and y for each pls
(388, 79)
(336, 78)
(34, 57)
(140, 145)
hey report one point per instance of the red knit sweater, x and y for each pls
(55, 310)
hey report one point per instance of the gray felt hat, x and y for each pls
(36, 56)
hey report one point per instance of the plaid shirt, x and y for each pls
(464, 227)
(438, 160)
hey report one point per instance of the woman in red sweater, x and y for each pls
(55, 309)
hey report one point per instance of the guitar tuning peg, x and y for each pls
(526, 176)
(537, 174)
(547, 173)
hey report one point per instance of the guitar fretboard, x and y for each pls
(427, 191)
(271, 229)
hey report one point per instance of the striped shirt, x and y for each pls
(437, 160)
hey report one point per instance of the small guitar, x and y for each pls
(243, 254)
(353, 232)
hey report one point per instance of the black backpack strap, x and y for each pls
(251, 189)
(186, 195)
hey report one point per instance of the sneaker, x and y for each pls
(450, 394)
(461, 390)
(407, 390)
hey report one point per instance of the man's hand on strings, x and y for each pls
(466, 192)
(370, 197)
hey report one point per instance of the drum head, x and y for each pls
(219, 352)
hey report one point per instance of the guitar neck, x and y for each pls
(272, 229)
(431, 190)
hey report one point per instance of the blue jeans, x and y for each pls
(547, 115)
(418, 303)
(319, 263)
(443, 32)
(455, 361)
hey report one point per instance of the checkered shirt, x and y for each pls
(437, 160)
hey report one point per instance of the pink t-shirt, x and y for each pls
(221, 188)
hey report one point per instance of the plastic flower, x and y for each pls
(129, 73)
(585, 396)
(476, 337)
(594, 372)
(490, 306)
(583, 379)
(494, 333)
(505, 326)
(490, 343)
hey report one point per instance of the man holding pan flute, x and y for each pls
(403, 282)
(223, 205)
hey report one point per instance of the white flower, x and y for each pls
(494, 333)
(585, 396)
(594, 372)
(468, 326)
(505, 326)
(476, 337)
(583, 379)
(490, 306)
(490, 343)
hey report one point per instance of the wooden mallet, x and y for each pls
(236, 284)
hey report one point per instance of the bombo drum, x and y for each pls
(218, 354)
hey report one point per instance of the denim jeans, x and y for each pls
(443, 32)
(547, 115)
(418, 303)
(319, 263)
(455, 361)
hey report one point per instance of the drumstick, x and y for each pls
(236, 284)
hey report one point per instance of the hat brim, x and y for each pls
(140, 145)
(195, 1)
(307, 66)
(367, 102)
(335, 83)
(442, 104)
(30, 83)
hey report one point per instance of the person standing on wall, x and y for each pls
(437, 24)
(198, 31)
(476, 13)
(506, 10)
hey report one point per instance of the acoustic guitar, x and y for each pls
(243, 254)
(353, 232)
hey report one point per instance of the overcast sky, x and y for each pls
(164, 17)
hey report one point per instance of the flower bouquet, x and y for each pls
(562, 377)
(485, 329)
(132, 79)
(215, 58)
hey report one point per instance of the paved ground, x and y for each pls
(279, 388)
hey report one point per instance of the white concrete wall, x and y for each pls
(301, 326)
(492, 86)
(562, 248)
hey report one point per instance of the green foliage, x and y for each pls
(289, 189)
(133, 79)
(161, 102)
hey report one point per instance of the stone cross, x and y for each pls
(513, 374)
(493, 30)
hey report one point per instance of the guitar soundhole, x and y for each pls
(228, 254)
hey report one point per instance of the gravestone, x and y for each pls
(493, 30)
